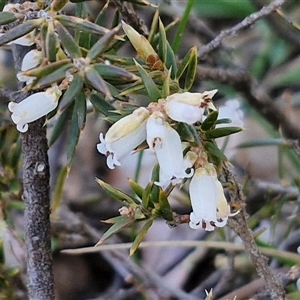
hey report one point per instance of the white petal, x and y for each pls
(132, 132)
(203, 196)
(182, 112)
(156, 130)
(127, 125)
(31, 59)
(222, 205)
(34, 107)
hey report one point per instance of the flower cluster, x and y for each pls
(154, 125)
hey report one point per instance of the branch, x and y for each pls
(239, 224)
(247, 22)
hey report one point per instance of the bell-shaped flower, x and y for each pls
(32, 59)
(210, 207)
(166, 143)
(34, 107)
(123, 136)
(188, 107)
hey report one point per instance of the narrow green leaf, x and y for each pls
(60, 124)
(142, 2)
(265, 142)
(191, 73)
(210, 121)
(80, 24)
(48, 69)
(80, 107)
(59, 187)
(164, 206)
(182, 25)
(50, 43)
(190, 56)
(54, 77)
(102, 44)
(137, 188)
(162, 44)
(101, 104)
(188, 133)
(147, 194)
(117, 194)
(73, 137)
(150, 86)
(120, 223)
(140, 236)
(220, 132)
(115, 74)
(75, 86)
(96, 81)
(67, 41)
(154, 26)
(213, 151)
(7, 17)
(20, 30)
(165, 91)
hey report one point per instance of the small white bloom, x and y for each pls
(210, 208)
(166, 143)
(188, 107)
(123, 136)
(34, 107)
(32, 59)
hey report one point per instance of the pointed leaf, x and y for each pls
(213, 150)
(75, 87)
(50, 43)
(80, 107)
(140, 236)
(67, 41)
(54, 77)
(147, 194)
(150, 86)
(115, 74)
(210, 121)
(165, 91)
(190, 56)
(73, 138)
(188, 133)
(191, 73)
(120, 223)
(117, 194)
(101, 104)
(60, 124)
(164, 206)
(220, 132)
(80, 24)
(20, 30)
(138, 189)
(99, 47)
(96, 81)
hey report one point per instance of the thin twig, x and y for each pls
(239, 224)
(247, 22)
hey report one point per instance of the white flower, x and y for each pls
(166, 143)
(34, 107)
(210, 207)
(188, 107)
(32, 59)
(123, 136)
